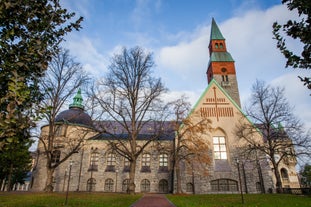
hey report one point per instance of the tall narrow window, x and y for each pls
(220, 151)
(125, 185)
(55, 156)
(163, 186)
(94, 161)
(225, 78)
(284, 175)
(126, 165)
(163, 163)
(111, 162)
(145, 163)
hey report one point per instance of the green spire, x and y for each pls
(215, 32)
(77, 101)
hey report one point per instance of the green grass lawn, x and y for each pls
(15, 199)
(74, 199)
(250, 200)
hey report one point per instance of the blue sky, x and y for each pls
(177, 33)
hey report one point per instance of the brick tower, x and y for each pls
(221, 65)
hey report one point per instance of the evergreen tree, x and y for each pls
(30, 31)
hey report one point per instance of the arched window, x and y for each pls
(145, 163)
(220, 150)
(55, 156)
(125, 185)
(284, 174)
(145, 185)
(109, 185)
(163, 186)
(189, 188)
(224, 185)
(216, 45)
(111, 162)
(221, 46)
(91, 184)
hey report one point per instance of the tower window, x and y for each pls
(221, 46)
(216, 45)
(225, 78)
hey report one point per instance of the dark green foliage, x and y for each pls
(306, 176)
(30, 32)
(300, 30)
(15, 162)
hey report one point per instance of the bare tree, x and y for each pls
(283, 136)
(190, 145)
(130, 96)
(63, 78)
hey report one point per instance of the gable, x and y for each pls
(216, 104)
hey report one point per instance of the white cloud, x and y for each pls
(84, 49)
(297, 94)
(249, 40)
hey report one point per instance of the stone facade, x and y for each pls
(97, 168)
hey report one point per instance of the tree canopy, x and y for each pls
(30, 32)
(284, 137)
(131, 96)
(296, 29)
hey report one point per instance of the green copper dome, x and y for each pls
(77, 101)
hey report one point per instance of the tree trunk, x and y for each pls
(9, 185)
(132, 186)
(49, 180)
(277, 175)
(178, 177)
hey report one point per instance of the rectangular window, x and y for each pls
(55, 156)
(219, 146)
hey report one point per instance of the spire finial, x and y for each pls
(77, 101)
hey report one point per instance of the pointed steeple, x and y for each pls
(77, 101)
(215, 32)
(221, 64)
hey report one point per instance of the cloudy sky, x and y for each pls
(177, 32)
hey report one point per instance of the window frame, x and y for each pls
(220, 148)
